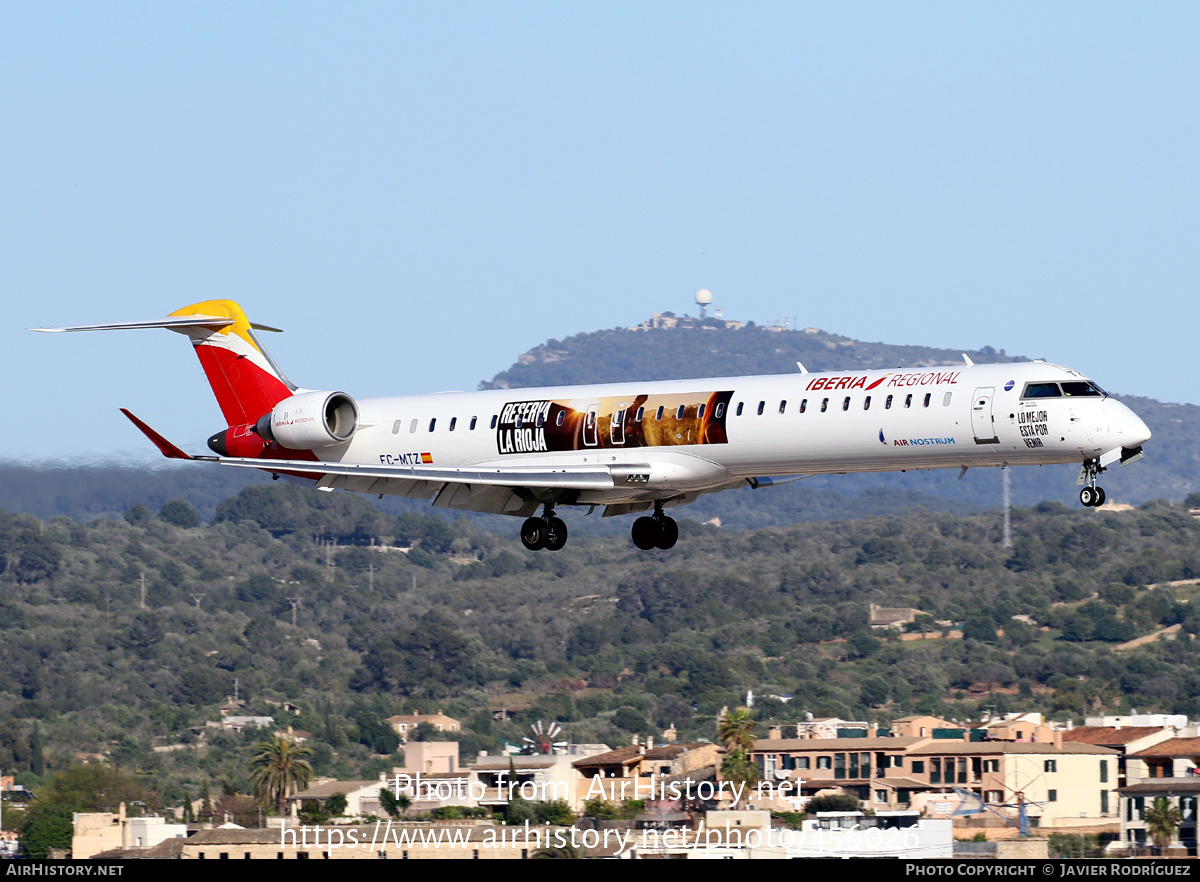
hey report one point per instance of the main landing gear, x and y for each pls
(546, 532)
(1091, 495)
(657, 531)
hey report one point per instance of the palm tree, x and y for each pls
(735, 729)
(1162, 822)
(280, 768)
(738, 769)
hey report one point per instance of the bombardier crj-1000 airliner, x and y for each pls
(637, 447)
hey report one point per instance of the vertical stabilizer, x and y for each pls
(244, 378)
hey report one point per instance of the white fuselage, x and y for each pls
(693, 436)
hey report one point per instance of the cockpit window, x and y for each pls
(1041, 390)
(1082, 390)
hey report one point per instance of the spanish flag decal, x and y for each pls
(427, 458)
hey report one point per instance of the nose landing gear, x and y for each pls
(1091, 495)
(657, 531)
(548, 531)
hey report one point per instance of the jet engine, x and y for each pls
(310, 420)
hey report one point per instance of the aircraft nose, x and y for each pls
(1133, 432)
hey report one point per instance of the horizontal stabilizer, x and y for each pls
(178, 321)
(169, 450)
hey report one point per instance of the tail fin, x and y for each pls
(243, 376)
(245, 379)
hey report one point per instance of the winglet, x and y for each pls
(169, 450)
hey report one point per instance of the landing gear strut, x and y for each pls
(1091, 495)
(546, 532)
(657, 531)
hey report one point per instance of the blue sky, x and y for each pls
(420, 192)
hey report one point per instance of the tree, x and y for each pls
(394, 804)
(739, 770)
(179, 513)
(280, 768)
(336, 805)
(833, 802)
(1162, 822)
(86, 788)
(735, 729)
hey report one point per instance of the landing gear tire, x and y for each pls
(1087, 496)
(645, 533)
(668, 533)
(534, 534)
(1100, 497)
(556, 534)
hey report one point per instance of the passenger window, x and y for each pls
(473, 421)
(494, 418)
(761, 406)
(803, 404)
(824, 404)
(928, 395)
(518, 421)
(887, 405)
(867, 403)
(659, 414)
(739, 408)
(432, 423)
(541, 420)
(846, 403)
(946, 400)
(412, 427)
(783, 406)
(616, 418)
(641, 412)
(453, 423)
(591, 418)
(720, 411)
(908, 400)
(558, 420)
(396, 427)
(679, 412)
(700, 411)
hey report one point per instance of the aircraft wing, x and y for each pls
(578, 478)
(493, 491)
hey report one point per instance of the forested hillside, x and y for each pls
(609, 640)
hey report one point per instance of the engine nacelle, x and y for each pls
(310, 420)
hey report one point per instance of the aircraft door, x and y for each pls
(983, 423)
(616, 427)
(591, 431)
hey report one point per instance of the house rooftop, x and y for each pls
(633, 752)
(1108, 736)
(838, 743)
(983, 748)
(1172, 747)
